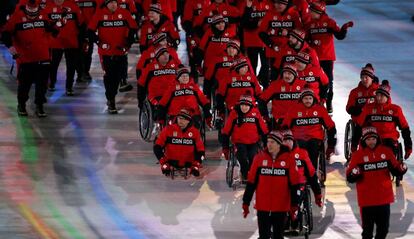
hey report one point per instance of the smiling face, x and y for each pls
(371, 142)
(366, 81)
(244, 108)
(380, 98)
(220, 26)
(154, 16)
(307, 101)
(182, 122)
(184, 78)
(288, 76)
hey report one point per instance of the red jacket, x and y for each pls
(245, 128)
(251, 18)
(113, 30)
(232, 87)
(88, 8)
(321, 37)
(308, 123)
(302, 6)
(178, 96)
(358, 98)
(157, 78)
(385, 117)
(230, 13)
(316, 79)
(273, 181)
(273, 24)
(181, 145)
(192, 9)
(304, 164)
(283, 96)
(149, 29)
(69, 32)
(375, 185)
(30, 37)
(213, 45)
(286, 54)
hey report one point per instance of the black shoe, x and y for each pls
(86, 76)
(40, 112)
(52, 88)
(21, 110)
(125, 87)
(69, 92)
(111, 107)
(329, 107)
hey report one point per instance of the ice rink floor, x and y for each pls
(81, 173)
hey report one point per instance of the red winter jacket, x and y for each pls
(321, 37)
(88, 8)
(192, 9)
(304, 164)
(113, 30)
(245, 128)
(70, 16)
(283, 96)
(273, 180)
(156, 79)
(375, 184)
(302, 6)
(181, 145)
(178, 96)
(30, 37)
(358, 98)
(148, 56)
(273, 24)
(309, 123)
(286, 54)
(316, 79)
(149, 29)
(385, 117)
(251, 20)
(235, 85)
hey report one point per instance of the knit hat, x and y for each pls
(239, 63)
(318, 7)
(156, 7)
(276, 136)
(217, 19)
(287, 134)
(298, 34)
(157, 38)
(246, 99)
(159, 51)
(307, 92)
(384, 89)
(181, 71)
(303, 57)
(286, 2)
(32, 3)
(186, 113)
(368, 70)
(290, 68)
(234, 43)
(368, 132)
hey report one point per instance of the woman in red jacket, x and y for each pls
(274, 178)
(370, 169)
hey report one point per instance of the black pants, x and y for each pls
(245, 154)
(86, 60)
(254, 53)
(392, 144)
(269, 72)
(313, 147)
(271, 220)
(29, 73)
(114, 67)
(375, 215)
(72, 62)
(327, 67)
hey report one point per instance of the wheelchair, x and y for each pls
(233, 175)
(179, 170)
(148, 129)
(349, 133)
(304, 223)
(321, 164)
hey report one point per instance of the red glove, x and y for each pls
(293, 213)
(226, 152)
(407, 153)
(348, 25)
(318, 200)
(245, 210)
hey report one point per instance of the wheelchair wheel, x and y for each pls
(322, 165)
(349, 131)
(172, 173)
(231, 171)
(203, 130)
(400, 158)
(146, 122)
